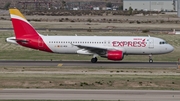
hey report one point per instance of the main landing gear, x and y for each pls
(150, 59)
(94, 60)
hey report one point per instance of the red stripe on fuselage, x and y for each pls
(24, 31)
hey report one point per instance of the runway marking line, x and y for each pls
(59, 65)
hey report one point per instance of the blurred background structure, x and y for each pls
(63, 4)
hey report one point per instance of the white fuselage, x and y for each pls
(129, 45)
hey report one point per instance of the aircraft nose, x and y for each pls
(170, 48)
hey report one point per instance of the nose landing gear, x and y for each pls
(150, 58)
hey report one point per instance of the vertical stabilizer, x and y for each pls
(25, 34)
(22, 28)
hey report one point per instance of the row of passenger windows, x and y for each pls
(77, 42)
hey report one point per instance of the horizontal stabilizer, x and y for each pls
(14, 40)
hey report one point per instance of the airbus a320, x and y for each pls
(110, 47)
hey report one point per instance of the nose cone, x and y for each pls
(170, 48)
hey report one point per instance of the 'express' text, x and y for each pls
(129, 43)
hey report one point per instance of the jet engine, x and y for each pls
(115, 55)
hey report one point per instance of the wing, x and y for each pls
(95, 49)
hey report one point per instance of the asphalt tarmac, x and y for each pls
(89, 64)
(89, 94)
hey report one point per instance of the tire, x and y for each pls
(150, 60)
(94, 60)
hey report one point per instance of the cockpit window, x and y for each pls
(163, 42)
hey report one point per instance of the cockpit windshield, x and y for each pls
(163, 42)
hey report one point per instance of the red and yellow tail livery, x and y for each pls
(25, 34)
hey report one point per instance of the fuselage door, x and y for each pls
(151, 43)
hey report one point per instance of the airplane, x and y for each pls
(110, 47)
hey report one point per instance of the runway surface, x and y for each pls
(89, 64)
(84, 94)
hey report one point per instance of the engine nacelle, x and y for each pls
(115, 55)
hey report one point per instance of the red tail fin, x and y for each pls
(22, 28)
(25, 34)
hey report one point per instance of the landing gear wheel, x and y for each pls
(94, 60)
(150, 60)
